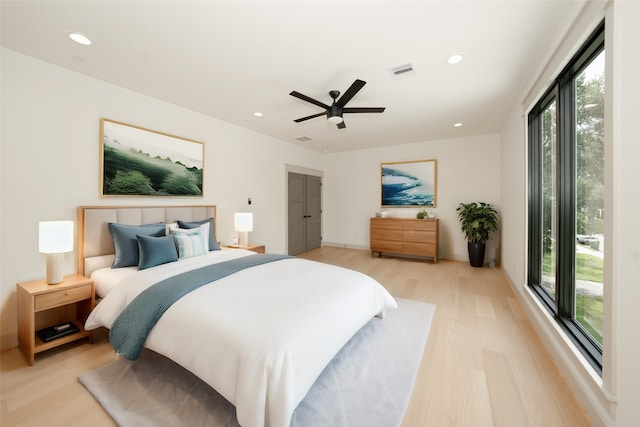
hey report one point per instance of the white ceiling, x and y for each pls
(231, 59)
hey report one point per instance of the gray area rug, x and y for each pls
(368, 383)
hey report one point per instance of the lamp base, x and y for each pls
(55, 268)
(243, 238)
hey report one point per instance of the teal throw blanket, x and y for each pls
(131, 328)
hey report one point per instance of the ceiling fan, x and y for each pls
(335, 111)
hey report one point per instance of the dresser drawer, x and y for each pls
(423, 224)
(386, 246)
(386, 224)
(418, 236)
(386, 234)
(422, 249)
(62, 297)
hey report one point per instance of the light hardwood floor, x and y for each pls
(483, 364)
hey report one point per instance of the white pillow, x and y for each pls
(170, 226)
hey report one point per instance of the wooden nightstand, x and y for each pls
(41, 305)
(255, 248)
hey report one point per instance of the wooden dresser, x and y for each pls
(404, 236)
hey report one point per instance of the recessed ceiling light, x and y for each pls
(457, 125)
(79, 38)
(454, 59)
(257, 114)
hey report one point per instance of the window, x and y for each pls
(566, 198)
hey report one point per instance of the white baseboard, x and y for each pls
(345, 245)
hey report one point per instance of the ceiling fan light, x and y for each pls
(335, 120)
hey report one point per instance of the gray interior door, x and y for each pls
(305, 213)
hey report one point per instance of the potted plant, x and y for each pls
(422, 214)
(477, 220)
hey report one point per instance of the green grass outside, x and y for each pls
(589, 314)
(588, 307)
(588, 267)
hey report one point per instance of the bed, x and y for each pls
(260, 336)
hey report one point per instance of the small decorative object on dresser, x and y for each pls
(405, 236)
(52, 312)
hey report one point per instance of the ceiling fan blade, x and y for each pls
(311, 100)
(363, 110)
(341, 125)
(351, 92)
(302, 119)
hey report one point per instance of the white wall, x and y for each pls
(614, 399)
(468, 169)
(513, 192)
(50, 164)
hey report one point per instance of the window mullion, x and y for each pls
(565, 280)
(535, 200)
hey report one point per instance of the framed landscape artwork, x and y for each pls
(139, 162)
(408, 184)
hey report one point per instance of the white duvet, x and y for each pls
(259, 337)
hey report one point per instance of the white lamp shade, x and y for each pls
(243, 221)
(55, 237)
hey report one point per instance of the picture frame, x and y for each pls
(408, 184)
(135, 161)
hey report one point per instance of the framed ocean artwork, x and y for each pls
(408, 184)
(140, 162)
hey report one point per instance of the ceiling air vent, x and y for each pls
(402, 71)
(304, 138)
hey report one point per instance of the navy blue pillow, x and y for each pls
(213, 244)
(156, 250)
(125, 241)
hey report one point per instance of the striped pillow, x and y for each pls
(190, 245)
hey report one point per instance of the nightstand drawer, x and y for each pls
(62, 297)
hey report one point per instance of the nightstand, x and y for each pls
(255, 248)
(41, 305)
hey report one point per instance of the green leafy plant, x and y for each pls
(477, 220)
(422, 214)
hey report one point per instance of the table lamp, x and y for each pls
(55, 238)
(243, 223)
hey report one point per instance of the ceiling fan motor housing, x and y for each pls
(334, 111)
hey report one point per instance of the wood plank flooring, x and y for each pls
(483, 364)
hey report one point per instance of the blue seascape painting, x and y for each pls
(408, 184)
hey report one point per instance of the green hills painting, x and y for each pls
(139, 162)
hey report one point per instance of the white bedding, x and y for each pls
(260, 337)
(104, 279)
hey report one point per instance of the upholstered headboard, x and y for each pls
(95, 245)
